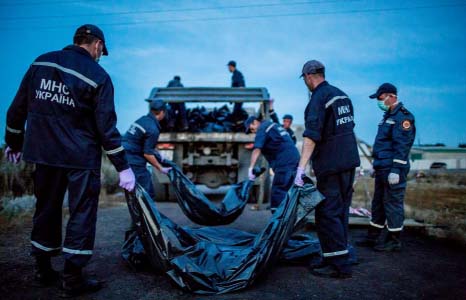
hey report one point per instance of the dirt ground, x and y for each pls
(438, 199)
(425, 269)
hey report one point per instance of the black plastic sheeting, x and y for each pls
(216, 260)
(199, 209)
(201, 119)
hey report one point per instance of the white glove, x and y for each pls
(11, 156)
(251, 175)
(127, 179)
(393, 178)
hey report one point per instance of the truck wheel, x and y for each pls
(169, 193)
(265, 186)
(160, 191)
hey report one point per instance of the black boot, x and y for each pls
(44, 274)
(333, 267)
(391, 244)
(331, 271)
(370, 240)
(75, 284)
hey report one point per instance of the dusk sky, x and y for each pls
(420, 46)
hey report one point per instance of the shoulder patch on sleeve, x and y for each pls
(406, 124)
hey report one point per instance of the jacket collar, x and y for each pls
(323, 83)
(396, 109)
(78, 49)
(152, 117)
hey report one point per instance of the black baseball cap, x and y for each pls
(158, 105)
(248, 122)
(288, 116)
(232, 63)
(384, 88)
(89, 29)
(313, 67)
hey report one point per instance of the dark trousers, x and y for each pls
(332, 216)
(50, 185)
(282, 181)
(144, 178)
(387, 203)
(178, 116)
(237, 114)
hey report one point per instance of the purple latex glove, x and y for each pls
(11, 156)
(127, 179)
(165, 170)
(251, 175)
(299, 180)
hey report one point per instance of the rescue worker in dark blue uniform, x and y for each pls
(66, 98)
(330, 142)
(140, 142)
(287, 121)
(392, 145)
(277, 147)
(237, 81)
(177, 115)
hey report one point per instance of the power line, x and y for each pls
(34, 3)
(265, 16)
(154, 11)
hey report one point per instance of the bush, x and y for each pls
(15, 180)
(109, 176)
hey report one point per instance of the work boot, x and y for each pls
(391, 244)
(317, 262)
(44, 274)
(370, 240)
(330, 271)
(75, 284)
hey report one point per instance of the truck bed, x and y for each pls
(219, 137)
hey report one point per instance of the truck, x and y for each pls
(212, 159)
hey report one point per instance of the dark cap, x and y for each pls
(158, 105)
(89, 29)
(384, 88)
(248, 122)
(313, 67)
(289, 117)
(177, 77)
(232, 63)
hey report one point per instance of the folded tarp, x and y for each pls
(216, 260)
(199, 209)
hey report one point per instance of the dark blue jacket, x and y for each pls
(394, 140)
(329, 122)
(141, 138)
(237, 79)
(276, 145)
(274, 117)
(66, 98)
(174, 83)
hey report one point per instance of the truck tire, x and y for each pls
(163, 191)
(160, 190)
(169, 193)
(266, 186)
